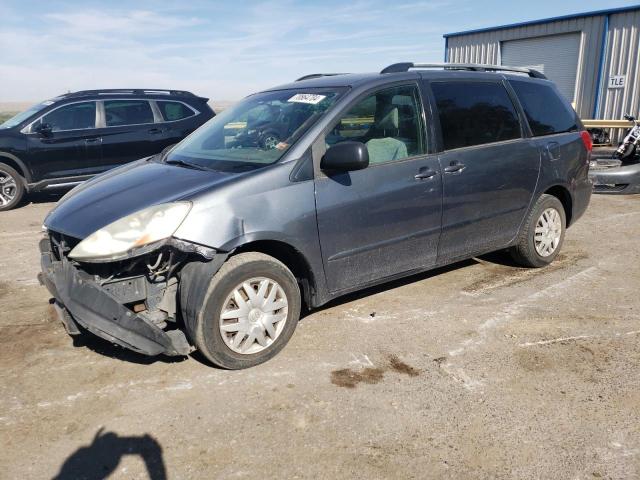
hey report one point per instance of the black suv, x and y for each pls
(68, 139)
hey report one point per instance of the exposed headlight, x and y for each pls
(118, 239)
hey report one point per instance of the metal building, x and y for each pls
(593, 57)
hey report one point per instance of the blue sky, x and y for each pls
(226, 50)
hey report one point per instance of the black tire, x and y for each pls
(206, 332)
(524, 252)
(17, 192)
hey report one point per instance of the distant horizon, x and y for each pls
(226, 51)
(19, 106)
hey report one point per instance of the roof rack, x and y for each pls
(476, 67)
(130, 91)
(318, 75)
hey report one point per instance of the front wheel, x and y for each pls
(250, 312)
(543, 233)
(270, 141)
(12, 188)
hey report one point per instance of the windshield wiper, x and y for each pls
(184, 163)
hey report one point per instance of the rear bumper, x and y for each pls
(93, 308)
(617, 180)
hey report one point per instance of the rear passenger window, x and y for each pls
(473, 113)
(127, 112)
(546, 111)
(172, 111)
(388, 122)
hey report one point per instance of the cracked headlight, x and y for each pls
(129, 235)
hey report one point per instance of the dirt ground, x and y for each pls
(480, 370)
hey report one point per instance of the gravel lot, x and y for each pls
(480, 370)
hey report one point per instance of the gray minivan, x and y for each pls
(305, 192)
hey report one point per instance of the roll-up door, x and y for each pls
(555, 55)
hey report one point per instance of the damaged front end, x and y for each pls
(132, 302)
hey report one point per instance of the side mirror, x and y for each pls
(44, 129)
(345, 157)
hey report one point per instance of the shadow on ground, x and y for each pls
(499, 258)
(103, 347)
(102, 457)
(44, 197)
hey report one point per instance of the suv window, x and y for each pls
(388, 122)
(172, 111)
(475, 113)
(127, 112)
(76, 116)
(546, 111)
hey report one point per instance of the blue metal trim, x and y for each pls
(596, 13)
(446, 49)
(603, 56)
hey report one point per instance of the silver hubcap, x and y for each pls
(548, 232)
(8, 188)
(253, 315)
(270, 143)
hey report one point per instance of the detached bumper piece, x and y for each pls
(79, 300)
(623, 180)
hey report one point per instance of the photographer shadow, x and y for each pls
(100, 459)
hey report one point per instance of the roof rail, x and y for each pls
(130, 91)
(318, 75)
(476, 67)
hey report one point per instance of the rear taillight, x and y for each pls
(586, 139)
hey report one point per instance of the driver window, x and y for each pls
(388, 122)
(76, 116)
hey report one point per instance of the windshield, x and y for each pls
(22, 116)
(257, 131)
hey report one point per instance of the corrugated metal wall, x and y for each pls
(484, 47)
(623, 58)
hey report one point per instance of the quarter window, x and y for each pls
(547, 113)
(475, 113)
(388, 122)
(127, 112)
(172, 111)
(76, 116)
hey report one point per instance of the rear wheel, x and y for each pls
(12, 188)
(250, 312)
(543, 233)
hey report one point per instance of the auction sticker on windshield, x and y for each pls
(310, 98)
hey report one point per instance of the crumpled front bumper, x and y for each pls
(95, 309)
(623, 180)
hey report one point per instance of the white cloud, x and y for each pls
(195, 48)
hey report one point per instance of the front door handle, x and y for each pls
(454, 167)
(155, 131)
(91, 141)
(425, 173)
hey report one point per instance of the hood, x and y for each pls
(126, 190)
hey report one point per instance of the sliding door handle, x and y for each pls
(454, 168)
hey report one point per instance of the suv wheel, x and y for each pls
(250, 311)
(11, 188)
(270, 141)
(543, 233)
